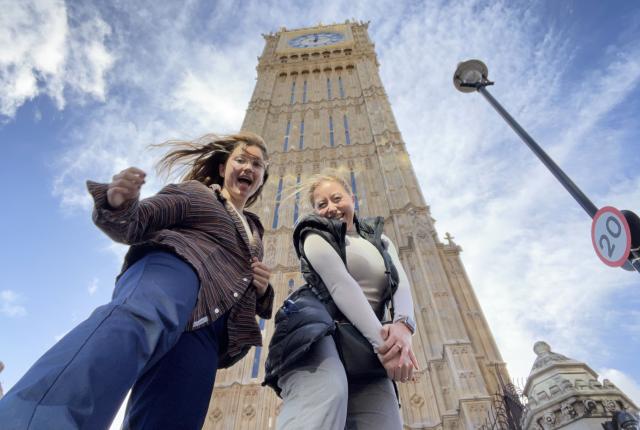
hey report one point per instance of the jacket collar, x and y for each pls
(255, 248)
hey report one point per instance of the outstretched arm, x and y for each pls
(120, 214)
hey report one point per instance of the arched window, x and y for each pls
(331, 141)
(293, 92)
(347, 137)
(354, 188)
(290, 286)
(341, 87)
(286, 136)
(329, 88)
(301, 144)
(277, 209)
(304, 91)
(297, 202)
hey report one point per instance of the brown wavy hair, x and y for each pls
(200, 159)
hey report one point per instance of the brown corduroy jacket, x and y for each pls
(196, 223)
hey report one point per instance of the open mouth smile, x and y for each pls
(245, 180)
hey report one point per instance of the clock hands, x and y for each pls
(316, 39)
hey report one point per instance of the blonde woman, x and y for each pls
(183, 306)
(354, 270)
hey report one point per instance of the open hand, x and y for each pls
(125, 186)
(261, 275)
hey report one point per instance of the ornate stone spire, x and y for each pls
(565, 393)
(546, 357)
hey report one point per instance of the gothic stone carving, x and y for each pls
(249, 411)
(416, 400)
(548, 420)
(610, 405)
(590, 406)
(216, 415)
(568, 410)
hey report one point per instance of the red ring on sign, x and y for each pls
(620, 262)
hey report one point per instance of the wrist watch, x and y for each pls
(407, 321)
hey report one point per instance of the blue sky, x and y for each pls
(85, 88)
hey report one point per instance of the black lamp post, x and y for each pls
(472, 75)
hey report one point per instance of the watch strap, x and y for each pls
(408, 322)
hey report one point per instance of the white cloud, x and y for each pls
(10, 304)
(117, 250)
(42, 51)
(210, 100)
(58, 337)
(30, 52)
(624, 382)
(93, 287)
(203, 87)
(89, 58)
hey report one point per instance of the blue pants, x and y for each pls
(138, 338)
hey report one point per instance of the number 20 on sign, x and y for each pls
(611, 236)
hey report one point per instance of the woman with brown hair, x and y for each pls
(184, 304)
(354, 280)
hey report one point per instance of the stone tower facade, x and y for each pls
(319, 102)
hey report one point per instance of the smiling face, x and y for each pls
(331, 200)
(243, 174)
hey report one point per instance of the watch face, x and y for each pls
(316, 39)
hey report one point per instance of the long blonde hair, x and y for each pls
(200, 159)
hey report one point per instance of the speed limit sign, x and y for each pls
(611, 236)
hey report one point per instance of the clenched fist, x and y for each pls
(261, 275)
(125, 186)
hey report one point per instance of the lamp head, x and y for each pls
(626, 421)
(469, 74)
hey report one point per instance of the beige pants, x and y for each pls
(317, 396)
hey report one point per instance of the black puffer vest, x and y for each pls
(308, 314)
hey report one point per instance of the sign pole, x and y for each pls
(615, 234)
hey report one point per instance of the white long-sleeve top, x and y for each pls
(358, 288)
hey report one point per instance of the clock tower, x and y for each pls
(319, 102)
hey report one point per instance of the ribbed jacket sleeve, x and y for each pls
(136, 219)
(264, 304)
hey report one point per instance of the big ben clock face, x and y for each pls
(316, 39)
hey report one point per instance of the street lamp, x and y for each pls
(622, 420)
(610, 227)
